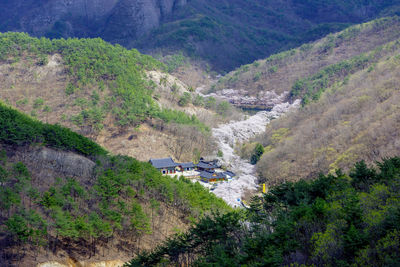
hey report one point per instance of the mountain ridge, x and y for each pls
(227, 34)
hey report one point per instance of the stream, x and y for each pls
(227, 136)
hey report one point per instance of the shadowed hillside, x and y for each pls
(225, 33)
(232, 33)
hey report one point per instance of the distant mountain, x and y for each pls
(225, 33)
(119, 21)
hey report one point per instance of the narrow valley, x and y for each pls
(199, 133)
(234, 133)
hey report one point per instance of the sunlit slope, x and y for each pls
(352, 117)
(106, 92)
(325, 60)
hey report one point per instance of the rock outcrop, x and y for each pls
(114, 20)
(46, 164)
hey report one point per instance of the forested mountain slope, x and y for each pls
(119, 97)
(350, 112)
(63, 196)
(324, 61)
(225, 33)
(232, 33)
(333, 220)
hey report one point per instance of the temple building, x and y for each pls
(165, 165)
(206, 171)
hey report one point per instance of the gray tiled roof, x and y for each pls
(163, 163)
(187, 165)
(210, 175)
(205, 165)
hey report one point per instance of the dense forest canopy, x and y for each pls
(78, 209)
(335, 220)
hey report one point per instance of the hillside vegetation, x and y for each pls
(314, 65)
(232, 33)
(93, 62)
(225, 33)
(334, 220)
(350, 112)
(57, 204)
(103, 91)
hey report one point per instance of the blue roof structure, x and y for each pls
(205, 165)
(187, 165)
(163, 163)
(212, 175)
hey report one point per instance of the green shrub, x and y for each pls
(223, 108)
(257, 76)
(173, 62)
(198, 101)
(185, 99)
(70, 89)
(19, 129)
(210, 102)
(257, 153)
(22, 102)
(38, 103)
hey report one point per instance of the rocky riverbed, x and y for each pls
(227, 136)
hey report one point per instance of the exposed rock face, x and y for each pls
(133, 18)
(46, 164)
(115, 20)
